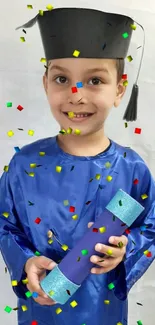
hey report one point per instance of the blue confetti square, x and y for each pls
(79, 84)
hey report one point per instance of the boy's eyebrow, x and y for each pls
(57, 67)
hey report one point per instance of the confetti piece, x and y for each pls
(138, 303)
(136, 181)
(68, 292)
(88, 202)
(75, 217)
(107, 302)
(119, 323)
(5, 214)
(109, 252)
(91, 180)
(66, 202)
(14, 283)
(51, 293)
(72, 209)
(49, 234)
(126, 125)
(138, 131)
(31, 174)
(98, 176)
(144, 196)
(34, 322)
(102, 230)
(20, 108)
(133, 27)
(125, 35)
(149, 254)
(76, 53)
(72, 168)
(79, 84)
(28, 294)
(111, 286)
(8, 309)
(17, 149)
(114, 218)
(58, 311)
(95, 230)
(5, 269)
(31, 132)
(84, 252)
(107, 164)
(69, 131)
(37, 253)
(124, 76)
(30, 203)
(78, 260)
(73, 303)
(24, 307)
(58, 169)
(16, 308)
(120, 244)
(120, 203)
(41, 153)
(127, 231)
(6, 168)
(33, 165)
(64, 247)
(35, 294)
(22, 39)
(109, 178)
(62, 131)
(71, 114)
(125, 83)
(50, 241)
(29, 6)
(104, 46)
(41, 12)
(143, 228)
(124, 154)
(20, 129)
(130, 59)
(77, 132)
(25, 281)
(74, 90)
(139, 322)
(10, 133)
(9, 104)
(49, 7)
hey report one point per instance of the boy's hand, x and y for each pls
(35, 268)
(113, 255)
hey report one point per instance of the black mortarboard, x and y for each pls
(87, 33)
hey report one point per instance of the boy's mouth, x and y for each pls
(78, 117)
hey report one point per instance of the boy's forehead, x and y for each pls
(87, 63)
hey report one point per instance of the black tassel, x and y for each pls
(131, 111)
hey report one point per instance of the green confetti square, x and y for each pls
(84, 252)
(37, 253)
(8, 309)
(125, 35)
(9, 104)
(28, 294)
(111, 286)
(139, 322)
(66, 202)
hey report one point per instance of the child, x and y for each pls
(50, 192)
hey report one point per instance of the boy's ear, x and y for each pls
(45, 83)
(119, 94)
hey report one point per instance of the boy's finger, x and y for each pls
(34, 285)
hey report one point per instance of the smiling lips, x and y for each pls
(78, 116)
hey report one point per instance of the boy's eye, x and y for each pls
(63, 79)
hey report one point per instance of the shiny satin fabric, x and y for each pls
(48, 195)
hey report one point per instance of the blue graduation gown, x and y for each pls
(41, 195)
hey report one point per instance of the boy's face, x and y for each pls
(99, 93)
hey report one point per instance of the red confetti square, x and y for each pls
(20, 108)
(128, 231)
(38, 220)
(124, 76)
(34, 322)
(71, 209)
(138, 131)
(149, 254)
(95, 230)
(74, 90)
(136, 181)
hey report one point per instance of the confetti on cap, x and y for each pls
(58, 169)
(9, 104)
(41, 12)
(58, 311)
(49, 7)
(20, 108)
(76, 53)
(10, 133)
(73, 304)
(125, 35)
(133, 27)
(138, 131)
(31, 132)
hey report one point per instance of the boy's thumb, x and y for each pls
(46, 263)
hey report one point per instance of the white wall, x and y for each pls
(21, 83)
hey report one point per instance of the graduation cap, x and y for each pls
(87, 33)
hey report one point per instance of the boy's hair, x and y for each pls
(120, 64)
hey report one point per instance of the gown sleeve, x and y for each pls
(140, 251)
(14, 244)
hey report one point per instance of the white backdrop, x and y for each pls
(21, 83)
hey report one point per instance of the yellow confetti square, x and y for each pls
(98, 176)
(33, 165)
(5, 214)
(41, 153)
(102, 230)
(144, 196)
(58, 169)
(71, 114)
(129, 58)
(125, 83)
(14, 283)
(107, 164)
(64, 131)
(109, 178)
(75, 217)
(31, 174)
(6, 168)
(49, 7)
(51, 293)
(50, 241)
(58, 311)
(73, 304)
(119, 323)
(76, 53)
(43, 60)
(64, 247)
(133, 27)
(109, 252)
(66, 203)
(77, 132)
(10, 133)
(29, 6)
(107, 302)
(25, 281)
(41, 12)
(24, 308)
(69, 131)
(31, 132)
(146, 252)
(22, 39)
